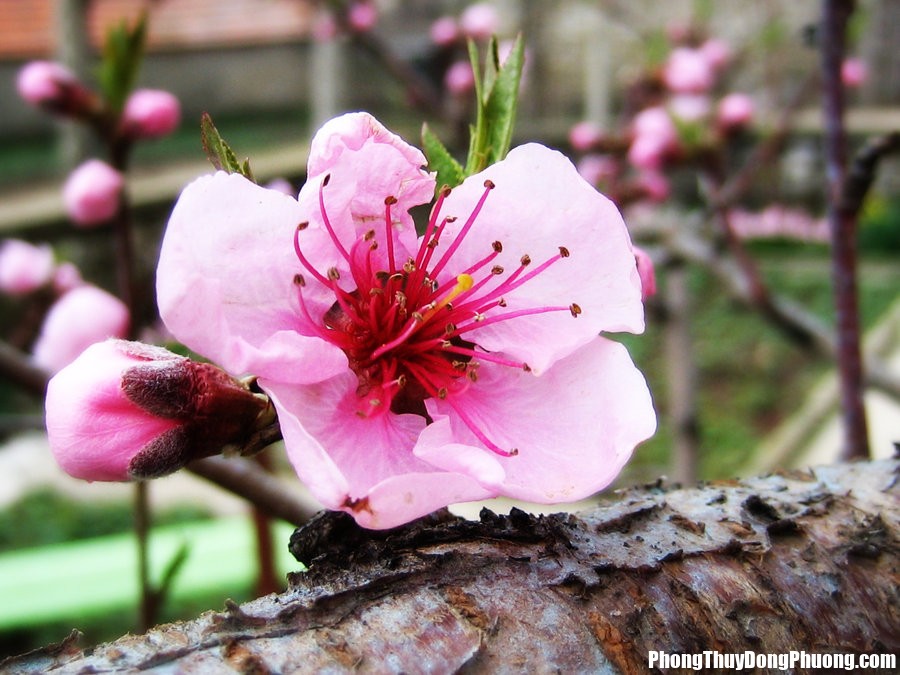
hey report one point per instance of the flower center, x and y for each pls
(407, 336)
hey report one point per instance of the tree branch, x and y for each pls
(805, 561)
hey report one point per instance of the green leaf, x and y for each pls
(123, 51)
(218, 152)
(503, 100)
(449, 171)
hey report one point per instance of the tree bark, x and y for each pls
(794, 561)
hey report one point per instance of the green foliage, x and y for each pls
(219, 152)
(879, 226)
(656, 48)
(449, 171)
(123, 52)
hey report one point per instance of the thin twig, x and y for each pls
(842, 223)
(17, 366)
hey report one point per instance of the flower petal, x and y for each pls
(574, 427)
(539, 204)
(364, 466)
(225, 281)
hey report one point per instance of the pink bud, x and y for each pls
(655, 185)
(459, 78)
(735, 110)
(647, 152)
(282, 185)
(362, 16)
(150, 113)
(78, 319)
(92, 192)
(690, 107)
(584, 136)
(444, 31)
(646, 271)
(66, 277)
(854, 72)
(24, 267)
(47, 83)
(597, 168)
(655, 122)
(479, 21)
(717, 53)
(125, 410)
(324, 27)
(687, 71)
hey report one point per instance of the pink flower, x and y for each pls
(459, 78)
(655, 135)
(735, 110)
(584, 136)
(150, 113)
(716, 52)
(92, 193)
(646, 271)
(479, 21)
(444, 31)
(596, 169)
(854, 72)
(79, 318)
(126, 410)
(409, 373)
(24, 267)
(687, 71)
(362, 16)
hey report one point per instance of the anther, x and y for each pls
(445, 191)
(333, 273)
(525, 260)
(390, 201)
(417, 316)
(369, 236)
(501, 302)
(299, 280)
(442, 393)
(526, 367)
(450, 328)
(302, 226)
(472, 375)
(489, 184)
(497, 246)
(563, 252)
(575, 309)
(497, 269)
(326, 179)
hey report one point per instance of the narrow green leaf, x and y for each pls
(477, 157)
(218, 152)
(449, 171)
(502, 103)
(123, 52)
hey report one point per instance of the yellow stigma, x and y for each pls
(463, 283)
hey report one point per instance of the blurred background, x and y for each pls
(736, 393)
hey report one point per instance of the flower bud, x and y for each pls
(646, 271)
(459, 78)
(584, 136)
(735, 111)
(687, 71)
(654, 185)
(126, 410)
(92, 193)
(362, 16)
(52, 86)
(596, 169)
(24, 267)
(854, 72)
(717, 53)
(479, 21)
(79, 318)
(150, 113)
(444, 31)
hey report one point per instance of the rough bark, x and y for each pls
(799, 561)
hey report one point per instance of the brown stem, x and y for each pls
(247, 480)
(267, 580)
(16, 366)
(842, 223)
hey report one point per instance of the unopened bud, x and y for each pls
(150, 113)
(128, 411)
(55, 88)
(646, 272)
(24, 267)
(92, 193)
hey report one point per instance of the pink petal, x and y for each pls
(540, 203)
(364, 466)
(574, 427)
(225, 282)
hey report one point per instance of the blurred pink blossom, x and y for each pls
(479, 21)
(351, 321)
(324, 27)
(585, 135)
(655, 185)
(854, 72)
(282, 185)
(654, 135)
(596, 169)
(688, 71)
(459, 78)
(78, 319)
(24, 267)
(150, 113)
(647, 272)
(48, 84)
(444, 31)
(778, 221)
(92, 193)
(690, 107)
(716, 52)
(66, 277)
(735, 110)
(126, 410)
(362, 16)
